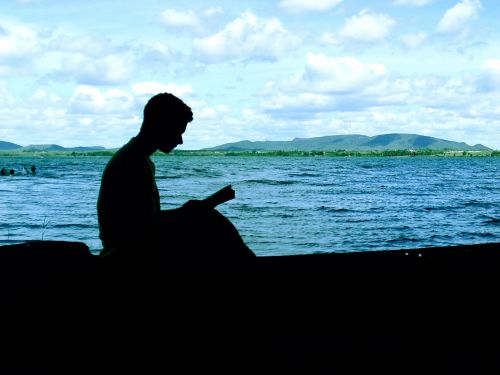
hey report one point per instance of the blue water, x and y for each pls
(283, 205)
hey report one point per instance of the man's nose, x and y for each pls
(180, 141)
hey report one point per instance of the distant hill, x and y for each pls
(86, 148)
(382, 142)
(52, 147)
(8, 146)
(395, 141)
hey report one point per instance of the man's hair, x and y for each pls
(167, 109)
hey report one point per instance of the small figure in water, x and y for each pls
(4, 171)
(12, 172)
(32, 170)
(132, 226)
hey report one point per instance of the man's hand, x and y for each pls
(195, 204)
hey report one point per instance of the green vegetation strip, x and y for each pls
(333, 153)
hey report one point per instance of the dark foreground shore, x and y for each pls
(429, 310)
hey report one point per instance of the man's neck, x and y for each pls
(144, 145)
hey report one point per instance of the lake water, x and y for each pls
(283, 205)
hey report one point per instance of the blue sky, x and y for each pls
(79, 72)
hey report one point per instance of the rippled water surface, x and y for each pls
(283, 205)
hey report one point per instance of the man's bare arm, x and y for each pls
(223, 195)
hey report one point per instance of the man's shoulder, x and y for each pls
(127, 159)
(127, 151)
(122, 157)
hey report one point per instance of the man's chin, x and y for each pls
(166, 150)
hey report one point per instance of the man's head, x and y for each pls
(165, 120)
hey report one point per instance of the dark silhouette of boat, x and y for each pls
(431, 310)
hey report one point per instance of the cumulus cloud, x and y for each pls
(91, 100)
(197, 22)
(299, 6)
(89, 45)
(414, 40)
(153, 56)
(246, 38)
(212, 113)
(152, 88)
(299, 105)
(329, 38)
(209, 12)
(216, 123)
(6, 97)
(418, 3)
(176, 18)
(339, 74)
(44, 98)
(366, 27)
(18, 44)
(346, 84)
(326, 84)
(104, 111)
(94, 60)
(489, 79)
(434, 106)
(108, 70)
(457, 18)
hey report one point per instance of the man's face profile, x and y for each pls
(169, 137)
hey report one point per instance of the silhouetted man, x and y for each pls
(131, 224)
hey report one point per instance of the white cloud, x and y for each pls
(299, 104)
(91, 100)
(329, 38)
(209, 12)
(153, 55)
(176, 18)
(215, 124)
(456, 19)
(152, 88)
(106, 70)
(88, 45)
(98, 60)
(367, 27)
(429, 106)
(299, 6)
(418, 3)
(211, 113)
(346, 84)
(18, 43)
(327, 84)
(44, 98)
(489, 79)
(200, 22)
(414, 40)
(6, 97)
(339, 75)
(246, 38)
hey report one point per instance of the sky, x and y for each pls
(78, 73)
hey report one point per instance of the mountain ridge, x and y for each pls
(9, 146)
(352, 142)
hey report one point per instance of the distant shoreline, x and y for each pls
(298, 153)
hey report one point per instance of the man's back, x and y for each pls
(128, 202)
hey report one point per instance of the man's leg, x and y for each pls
(203, 235)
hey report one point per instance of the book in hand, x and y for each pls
(223, 195)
